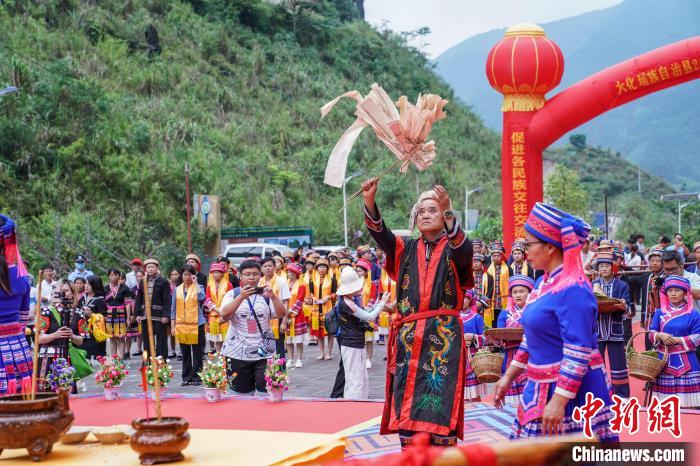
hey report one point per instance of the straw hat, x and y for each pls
(320, 262)
(151, 261)
(350, 282)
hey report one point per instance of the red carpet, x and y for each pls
(240, 414)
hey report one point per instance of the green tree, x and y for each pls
(639, 214)
(578, 140)
(563, 190)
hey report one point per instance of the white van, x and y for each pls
(325, 250)
(238, 251)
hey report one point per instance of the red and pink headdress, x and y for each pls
(217, 267)
(566, 232)
(676, 281)
(296, 268)
(10, 247)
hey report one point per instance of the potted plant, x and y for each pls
(60, 376)
(110, 375)
(165, 373)
(213, 376)
(276, 380)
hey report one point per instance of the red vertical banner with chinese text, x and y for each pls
(521, 175)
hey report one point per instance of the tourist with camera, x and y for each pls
(249, 341)
(61, 326)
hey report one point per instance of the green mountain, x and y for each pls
(117, 97)
(634, 204)
(656, 132)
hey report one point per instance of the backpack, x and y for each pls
(332, 321)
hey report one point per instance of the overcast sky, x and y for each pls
(451, 21)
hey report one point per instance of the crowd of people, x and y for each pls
(430, 299)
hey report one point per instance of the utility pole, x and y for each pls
(607, 228)
(639, 180)
(187, 201)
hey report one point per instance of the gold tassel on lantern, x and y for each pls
(522, 102)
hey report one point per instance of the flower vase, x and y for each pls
(112, 393)
(275, 394)
(163, 393)
(212, 394)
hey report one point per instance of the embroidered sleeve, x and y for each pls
(24, 306)
(522, 355)
(479, 336)
(456, 235)
(692, 341)
(461, 254)
(297, 307)
(374, 294)
(629, 312)
(391, 244)
(208, 303)
(576, 317)
(484, 300)
(374, 224)
(655, 326)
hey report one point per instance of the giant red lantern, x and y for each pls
(524, 66)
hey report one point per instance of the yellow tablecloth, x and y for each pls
(207, 447)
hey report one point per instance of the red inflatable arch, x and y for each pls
(524, 66)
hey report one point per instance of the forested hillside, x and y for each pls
(117, 96)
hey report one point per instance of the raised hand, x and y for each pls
(443, 199)
(369, 191)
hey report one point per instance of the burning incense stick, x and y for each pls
(37, 332)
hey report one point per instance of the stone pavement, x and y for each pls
(314, 380)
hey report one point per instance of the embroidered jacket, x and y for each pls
(610, 323)
(559, 349)
(679, 323)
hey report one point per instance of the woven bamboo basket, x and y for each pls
(506, 334)
(487, 366)
(642, 366)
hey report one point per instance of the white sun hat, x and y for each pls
(350, 282)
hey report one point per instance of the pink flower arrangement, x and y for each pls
(111, 372)
(275, 377)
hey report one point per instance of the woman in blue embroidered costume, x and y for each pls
(559, 348)
(611, 334)
(519, 287)
(473, 327)
(426, 354)
(676, 325)
(15, 354)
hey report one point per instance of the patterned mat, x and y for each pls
(482, 423)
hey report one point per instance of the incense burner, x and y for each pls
(34, 424)
(160, 440)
